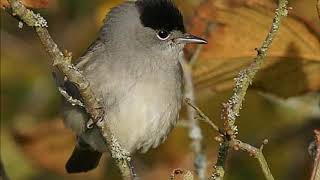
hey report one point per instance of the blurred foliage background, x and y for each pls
(283, 104)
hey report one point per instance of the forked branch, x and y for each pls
(242, 81)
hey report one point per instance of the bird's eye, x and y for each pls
(163, 35)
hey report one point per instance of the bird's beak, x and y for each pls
(188, 38)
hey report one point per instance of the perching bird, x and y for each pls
(134, 68)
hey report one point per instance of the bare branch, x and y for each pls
(202, 116)
(246, 76)
(235, 144)
(244, 79)
(255, 152)
(92, 104)
(195, 134)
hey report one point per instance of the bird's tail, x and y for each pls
(83, 160)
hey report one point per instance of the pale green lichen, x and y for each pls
(242, 82)
(117, 151)
(39, 21)
(28, 16)
(218, 174)
(245, 77)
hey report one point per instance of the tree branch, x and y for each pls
(195, 134)
(202, 116)
(245, 77)
(255, 152)
(235, 144)
(92, 105)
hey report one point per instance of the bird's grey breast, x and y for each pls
(142, 97)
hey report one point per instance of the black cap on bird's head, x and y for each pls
(164, 16)
(160, 15)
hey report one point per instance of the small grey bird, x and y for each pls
(134, 68)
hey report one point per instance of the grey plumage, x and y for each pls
(137, 76)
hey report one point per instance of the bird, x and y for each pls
(134, 68)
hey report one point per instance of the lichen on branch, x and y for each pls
(91, 103)
(244, 79)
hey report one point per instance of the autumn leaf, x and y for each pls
(292, 66)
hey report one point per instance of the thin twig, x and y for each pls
(92, 104)
(246, 76)
(316, 166)
(244, 79)
(202, 116)
(236, 144)
(255, 152)
(195, 134)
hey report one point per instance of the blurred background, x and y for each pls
(283, 104)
